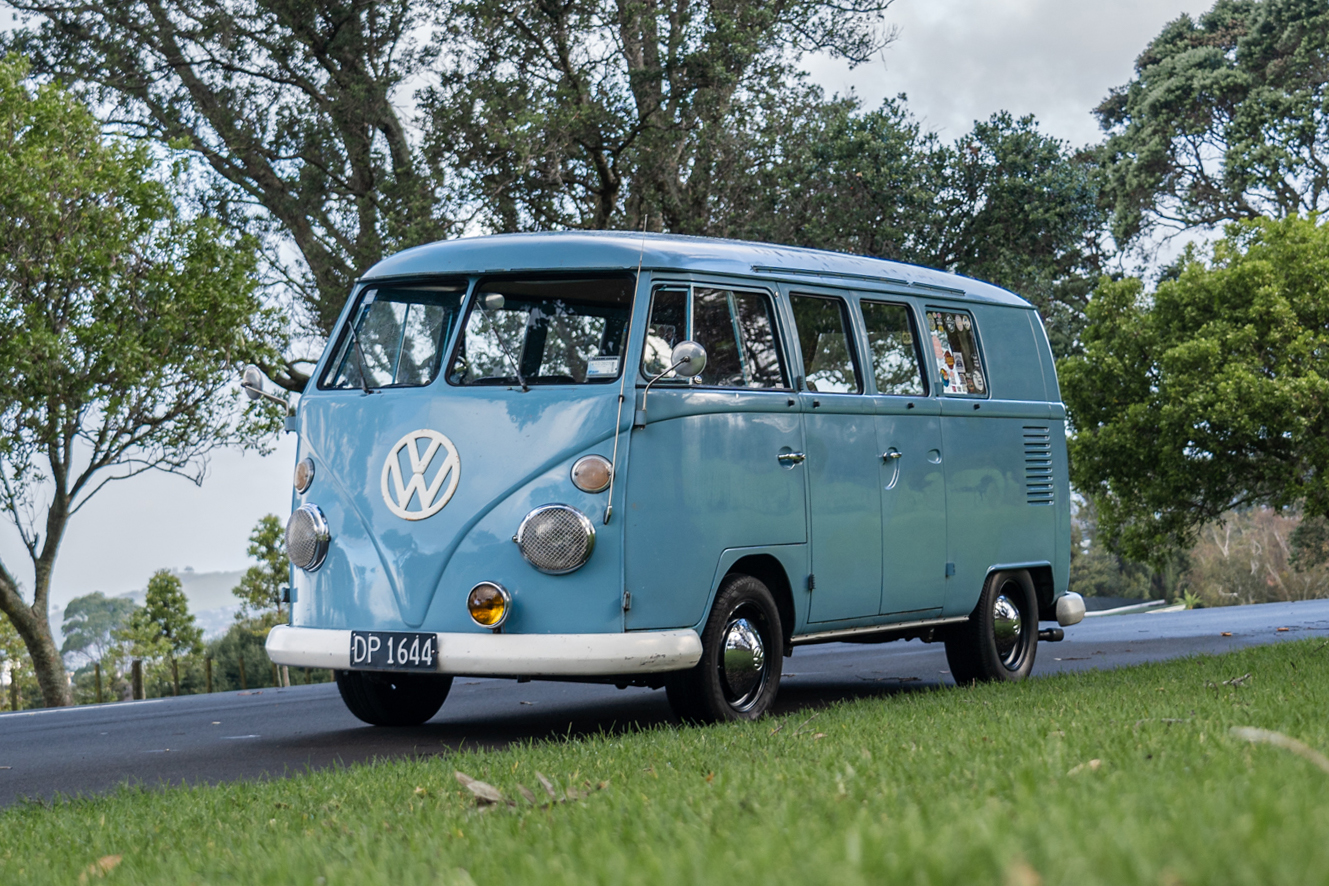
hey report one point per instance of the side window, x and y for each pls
(956, 353)
(823, 338)
(736, 328)
(894, 355)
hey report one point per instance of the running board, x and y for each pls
(853, 633)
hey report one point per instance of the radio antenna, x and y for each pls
(623, 377)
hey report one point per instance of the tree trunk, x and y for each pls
(46, 661)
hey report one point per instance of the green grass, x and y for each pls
(986, 785)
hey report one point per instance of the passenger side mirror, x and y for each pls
(253, 383)
(688, 359)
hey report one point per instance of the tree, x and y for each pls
(260, 588)
(1003, 203)
(14, 660)
(293, 104)
(90, 622)
(598, 114)
(1210, 395)
(163, 627)
(122, 329)
(1226, 118)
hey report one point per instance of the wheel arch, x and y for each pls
(1040, 573)
(770, 572)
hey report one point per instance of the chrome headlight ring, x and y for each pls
(307, 537)
(556, 539)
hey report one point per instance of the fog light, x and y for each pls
(307, 537)
(489, 604)
(591, 473)
(304, 474)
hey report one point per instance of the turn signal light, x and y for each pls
(489, 604)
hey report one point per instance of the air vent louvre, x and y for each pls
(1039, 489)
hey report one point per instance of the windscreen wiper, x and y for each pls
(360, 359)
(485, 302)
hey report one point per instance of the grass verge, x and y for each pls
(1128, 776)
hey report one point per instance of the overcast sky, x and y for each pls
(957, 60)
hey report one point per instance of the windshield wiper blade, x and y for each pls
(360, 359)
(493, 327)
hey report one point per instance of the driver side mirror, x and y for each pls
(688, 359)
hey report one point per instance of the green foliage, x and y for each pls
(90, 622)
(122, 327)
(1101, 777)
(260, 588)
(163, 626)
(1208, 395)
(1227, 118)
(14, 658)
(1310, 544)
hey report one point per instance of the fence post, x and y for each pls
(243, 684)
(137, 670)
(13, 689)
(175, 676)
(207, 667)
(286, 676)
(276, 677)
(97, 671)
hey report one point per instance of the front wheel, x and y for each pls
(392, 699)
(999, 640)
(742, 654)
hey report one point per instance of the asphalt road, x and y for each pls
(275, 732)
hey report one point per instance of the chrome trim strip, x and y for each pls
(516, 655)
(875, 629)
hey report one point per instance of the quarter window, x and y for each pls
(956, 353)
(894, 352)
(823, 337)
(736, 328)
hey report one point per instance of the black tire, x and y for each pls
(392, 699)
(742, 684)
(1000, 639)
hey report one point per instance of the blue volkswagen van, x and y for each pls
(667, 461)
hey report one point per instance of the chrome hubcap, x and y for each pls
(743, 663)
(1007, 629)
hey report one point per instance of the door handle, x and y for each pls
(789, 459)
(891, 454)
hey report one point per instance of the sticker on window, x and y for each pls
(600, 367)
(956, 353)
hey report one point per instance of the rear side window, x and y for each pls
(894, 349)
(823, 337)
(735, 327)
(395, 336)
(956, 353)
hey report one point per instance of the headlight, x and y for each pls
(307, 537)
(556, 538)
(489, 604)
(592, 473)
(304, 474)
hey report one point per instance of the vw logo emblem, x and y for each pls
(423, 487)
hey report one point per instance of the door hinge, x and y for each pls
(627, 600)
(812, 582)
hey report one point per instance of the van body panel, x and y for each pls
(384, 571)
(844, 504)
(703, 477)
(913, 506)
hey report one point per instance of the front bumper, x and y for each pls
(515, 655)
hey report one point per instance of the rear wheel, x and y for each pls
(742, 654)
(1001, 637)
(389, 699)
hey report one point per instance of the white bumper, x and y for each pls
(517, 655)
(1070, 609)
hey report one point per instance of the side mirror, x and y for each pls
(253, 382)
(688, 359)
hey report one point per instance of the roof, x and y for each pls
(617, 250)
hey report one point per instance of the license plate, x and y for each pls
(394, 651)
